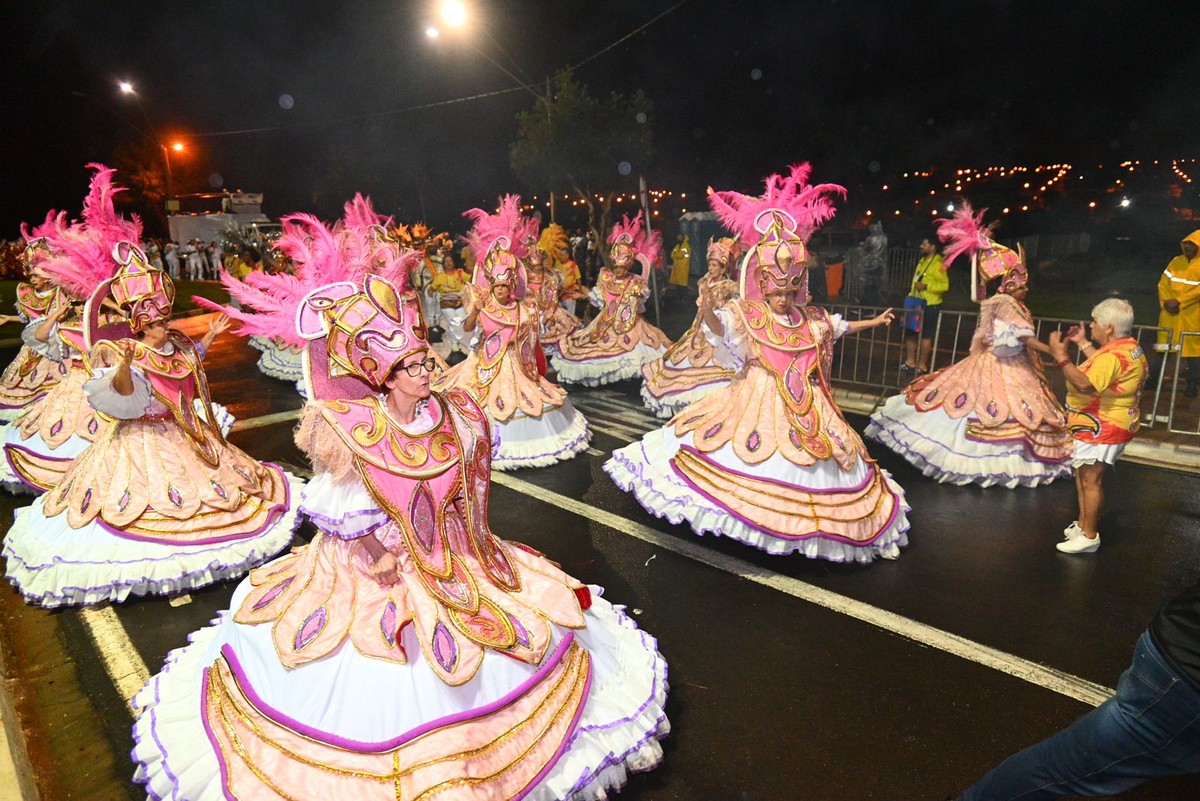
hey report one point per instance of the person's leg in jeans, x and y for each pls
(1150, 728)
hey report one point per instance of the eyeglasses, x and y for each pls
(414, 369)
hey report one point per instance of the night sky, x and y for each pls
(864, 90)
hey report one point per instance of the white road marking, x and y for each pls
(122, 662)
(266, 420)
(1041, 675)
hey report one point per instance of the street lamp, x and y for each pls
(178, 147)
(126, 87)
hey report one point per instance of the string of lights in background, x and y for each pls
(1031, 188)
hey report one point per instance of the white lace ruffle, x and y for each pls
(643, 468)
(342, 509)
(622, 721)
(595, 372)
(558, 435)
(938, 446)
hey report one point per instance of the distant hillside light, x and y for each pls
(1124, 202)
(126, 87)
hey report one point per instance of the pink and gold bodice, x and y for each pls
(418, 478)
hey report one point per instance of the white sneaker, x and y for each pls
(1079, 544)
(1072, 531)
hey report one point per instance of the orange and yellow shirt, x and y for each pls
(1117, 371)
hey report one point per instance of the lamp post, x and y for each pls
(455, 16)
(171, 205)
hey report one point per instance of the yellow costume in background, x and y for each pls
(681, 262)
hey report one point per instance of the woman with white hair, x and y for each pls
(1103, 396)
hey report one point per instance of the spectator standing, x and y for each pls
(930, 282)
(172, 258)
(1179, 301)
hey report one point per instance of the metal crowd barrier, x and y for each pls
(869, 361)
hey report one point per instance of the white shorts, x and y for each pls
(1090, 453)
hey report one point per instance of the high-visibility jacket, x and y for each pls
(1181, 282)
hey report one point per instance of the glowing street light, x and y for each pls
(1124, 202)
(453, 13)
(432, 32)
(126, 88)
(177, 147)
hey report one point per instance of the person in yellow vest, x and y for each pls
(448, 284)
(1179, 301)
(681, 262)
(929, 283)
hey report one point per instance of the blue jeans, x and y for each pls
(1151, 727)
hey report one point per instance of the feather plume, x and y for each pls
(355, 246)
(506, 221)
(81, 252)
(964, 233)
(811, 206)
(643, 244)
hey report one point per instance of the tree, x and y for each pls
(573, 142)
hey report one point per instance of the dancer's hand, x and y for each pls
(219, 325)
(885, 318)
(1058, 346)
(385, 569)
(1075, 334)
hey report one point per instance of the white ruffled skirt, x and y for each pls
(559, 434)
(644, 469)
(605, 370)
(347, 696)
(54, 565)
(941, 448)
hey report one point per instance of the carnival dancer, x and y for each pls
(407, 651)
(160, 503)
(615, 345)
(989, 418)
(40, 445)
(31, 374)
(544, 286)
(532, 417)
(450, 286)
(769, 460)
(689, 370)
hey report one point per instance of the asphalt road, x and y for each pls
(790, 678)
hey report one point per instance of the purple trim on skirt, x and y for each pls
(395, 742)
(13, 468)
(212, 737)
(791, 487)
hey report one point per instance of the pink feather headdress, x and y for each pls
(355, 247)
(499, 242)
(966, 234)
(774, 227)
(629, 240)
(80, 257)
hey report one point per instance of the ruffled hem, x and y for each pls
(938, 446)
(120, 567)
(595, 372)
(273, 364)
(676, 502)
(617, 733)
(561, 434)
(671, 404)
